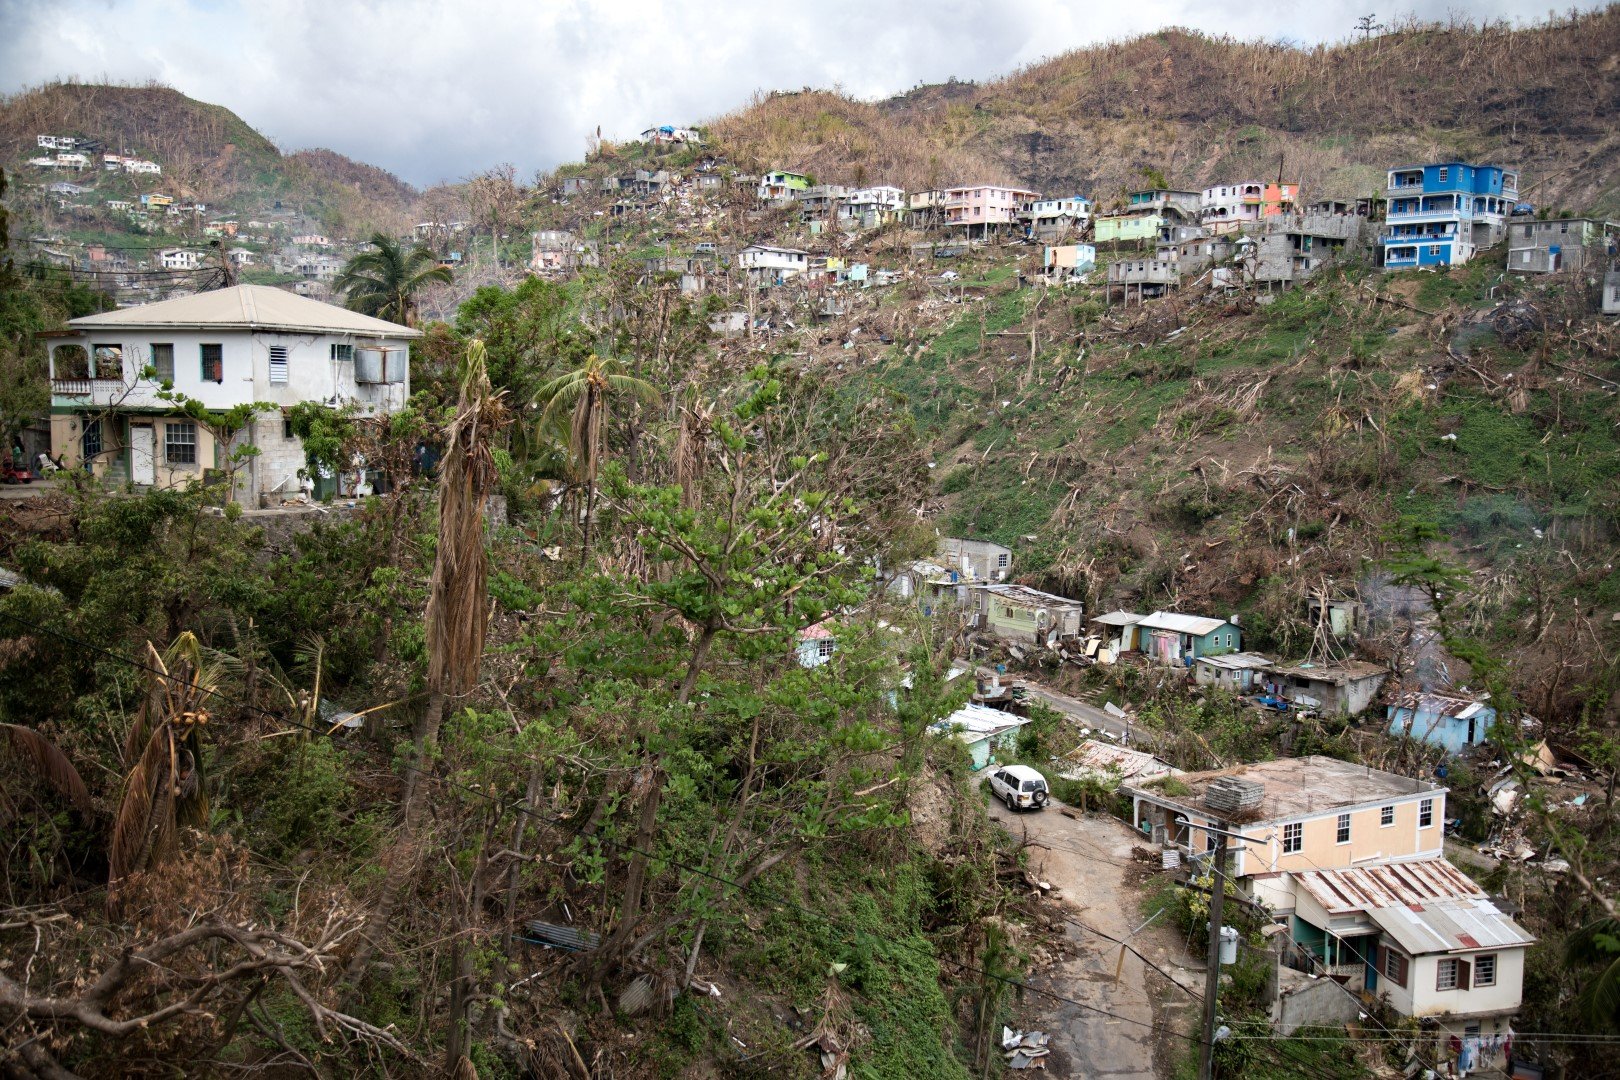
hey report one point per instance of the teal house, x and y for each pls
(1172, 638)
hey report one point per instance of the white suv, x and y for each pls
(1019, 786)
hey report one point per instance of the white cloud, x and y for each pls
(437, 90)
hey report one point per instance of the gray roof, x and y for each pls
(1023, 594)
(1238, 661)
(245, 307)
(1338, 674)
(1181, 624)
(1297, 787)
(1119, 618)
(1450, 926)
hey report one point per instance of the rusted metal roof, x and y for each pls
(1441, 705)
(1450, 926)
(556, 936)
(1363, 888)
(1336, 674)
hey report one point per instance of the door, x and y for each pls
(142, 455)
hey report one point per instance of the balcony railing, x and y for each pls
(86, 387)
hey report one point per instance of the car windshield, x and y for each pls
(1034, 785)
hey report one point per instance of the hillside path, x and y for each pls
(1076, 710)
(1088, 861)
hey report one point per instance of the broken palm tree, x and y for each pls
(457, 600)
(163, 787)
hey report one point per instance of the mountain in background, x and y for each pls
(207, 152)
(1198, 110)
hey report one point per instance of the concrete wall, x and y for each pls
(1319, 1002)
(1424, 1000)
(1370, 839)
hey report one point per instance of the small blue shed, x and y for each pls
(1455, 723)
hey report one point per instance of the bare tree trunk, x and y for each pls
(401, 858)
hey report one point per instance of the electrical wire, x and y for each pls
(1387, 1036)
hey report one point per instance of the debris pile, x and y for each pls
(1025, 1049)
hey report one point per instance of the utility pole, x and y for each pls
(1212, 978)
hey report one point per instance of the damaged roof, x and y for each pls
(1450, 926)
(1093, 757)
(1182, 624)
(1441, 704)
(1362, 888)
(1119, 618)
(1238, 661)
(1346, 671)
(1023, 594)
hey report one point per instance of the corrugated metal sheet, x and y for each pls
(1240, 661)
(1118, 618)
(1450, 926)
(1023, 594)
(1363, 888)
(1181, 624)
(557, 936)
(1096, 757)
(972, 722)
(1440, 705)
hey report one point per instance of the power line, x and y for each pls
(1565, 1037)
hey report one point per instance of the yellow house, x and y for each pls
(1351, 859)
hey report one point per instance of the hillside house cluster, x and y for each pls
(1349, 860)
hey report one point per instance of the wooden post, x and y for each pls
(1212, 978)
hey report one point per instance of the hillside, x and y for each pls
(207, 152)
(1201, 109)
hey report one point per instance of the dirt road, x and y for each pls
(1086, 862)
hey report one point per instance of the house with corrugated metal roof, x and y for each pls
(1025, 616)
(1420, 934)
(1453, 722)
(1172, 638)
(983, 730)
(1236, 672)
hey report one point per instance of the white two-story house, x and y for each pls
(250, 343)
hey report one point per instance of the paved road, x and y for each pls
(1084, 715)
(1085, 861)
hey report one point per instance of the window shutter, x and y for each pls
(278, 363)
(1464, 973)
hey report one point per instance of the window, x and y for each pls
(180, 443)
(1396, 967)
(1451, 973)
(286, 426)
(1434, 249)
(213, 362)
(278, 363)
(1425, 813)
(1001, 560)
(90, 441)
(342, 352)
(824, 648)
(163, 362)
(1443, 172)
(1485, 970)
(109, 361)
(1209, 841)
(1343, 835)
(1293, 837)
(1386, 816)
(70, 362)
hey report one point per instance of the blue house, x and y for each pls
(816, 645)
(1452, 722)
(1443, 214)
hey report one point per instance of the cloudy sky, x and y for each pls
(437, 89)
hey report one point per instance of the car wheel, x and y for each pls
(1011, 805)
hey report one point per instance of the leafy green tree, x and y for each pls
(384, 282)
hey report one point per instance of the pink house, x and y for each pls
(985, 205)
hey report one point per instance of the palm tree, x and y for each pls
(383, 282)
(588, 392)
